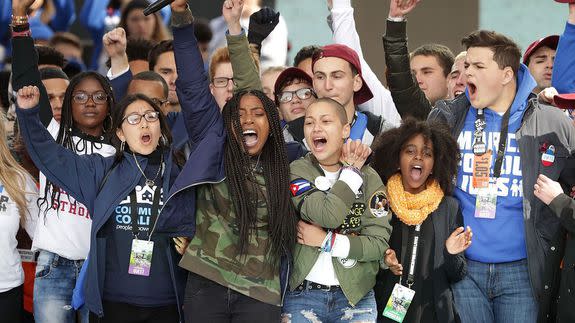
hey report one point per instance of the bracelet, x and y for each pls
(396, 19)
(24, 33)
(19, 20)
(326, 244)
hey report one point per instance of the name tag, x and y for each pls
(141, 257)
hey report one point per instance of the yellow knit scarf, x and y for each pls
(413, 209)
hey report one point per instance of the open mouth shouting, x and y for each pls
(415, 173)
(146, 139)
(319, 143)
(250, 138)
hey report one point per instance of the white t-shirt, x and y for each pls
(322, 271)
(11, 273)
(66, 232)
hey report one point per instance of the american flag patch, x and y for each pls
(299, 186)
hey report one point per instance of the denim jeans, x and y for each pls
(317, 306)
(495, 293)
(53, 286)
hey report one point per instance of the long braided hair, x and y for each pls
(282, 219)
(68, 125)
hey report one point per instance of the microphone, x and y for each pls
(156, 6)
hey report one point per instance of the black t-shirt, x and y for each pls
(119, 286)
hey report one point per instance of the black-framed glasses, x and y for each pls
(99, 97)
(159, 102)
(222, 81)
(303, 94)
(136, 118)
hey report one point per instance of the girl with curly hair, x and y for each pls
(418, 161)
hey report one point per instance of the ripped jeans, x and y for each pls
(53, 286)
(317, 306)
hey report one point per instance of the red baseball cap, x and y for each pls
(341, 51)
(565, 1)
(290, 73)
(549, 41)
(565, 101)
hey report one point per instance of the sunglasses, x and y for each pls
(302, 94)
(135, 118)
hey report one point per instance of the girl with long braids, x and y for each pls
(62, 234)
(245, 224)
(18, 195)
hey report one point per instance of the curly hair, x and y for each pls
(388, 146)
(240, 177)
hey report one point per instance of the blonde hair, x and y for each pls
(12, 175)
(222, 55)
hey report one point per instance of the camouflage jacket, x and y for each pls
(213, 253)
(364, 219)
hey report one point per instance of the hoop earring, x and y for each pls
(122, 145)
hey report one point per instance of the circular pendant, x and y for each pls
(322, 183)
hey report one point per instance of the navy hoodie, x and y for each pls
(501, 239)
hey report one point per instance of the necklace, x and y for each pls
(150, 182)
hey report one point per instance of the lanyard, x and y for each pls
(154, 212)
(479, 147)
(414, 249)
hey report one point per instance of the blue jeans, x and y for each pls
(317, 306)
(53, 286)
(495, 293)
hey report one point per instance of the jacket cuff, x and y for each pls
(396, 29)
(355, 248)
(559, 203)
(181, 19)
(28, 112)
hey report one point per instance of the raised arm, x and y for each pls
(408, 97)
(115, 43)
(25, 64)
(563, 78)
(78, 175)
(201, 112)
(344, 32)
(246, 75)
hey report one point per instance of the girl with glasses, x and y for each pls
(139, 198)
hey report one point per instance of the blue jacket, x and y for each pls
(62, 20)
(82, 176)
(93, 16)
(564, 66)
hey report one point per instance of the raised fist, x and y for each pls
(28, 97)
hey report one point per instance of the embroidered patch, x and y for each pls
(378, 204)
(299, 186)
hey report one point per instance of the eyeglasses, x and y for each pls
(158, 102)
(98, 97)
(303, 94)
(135, 118)
(222, 81)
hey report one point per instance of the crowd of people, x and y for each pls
(186, 174)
